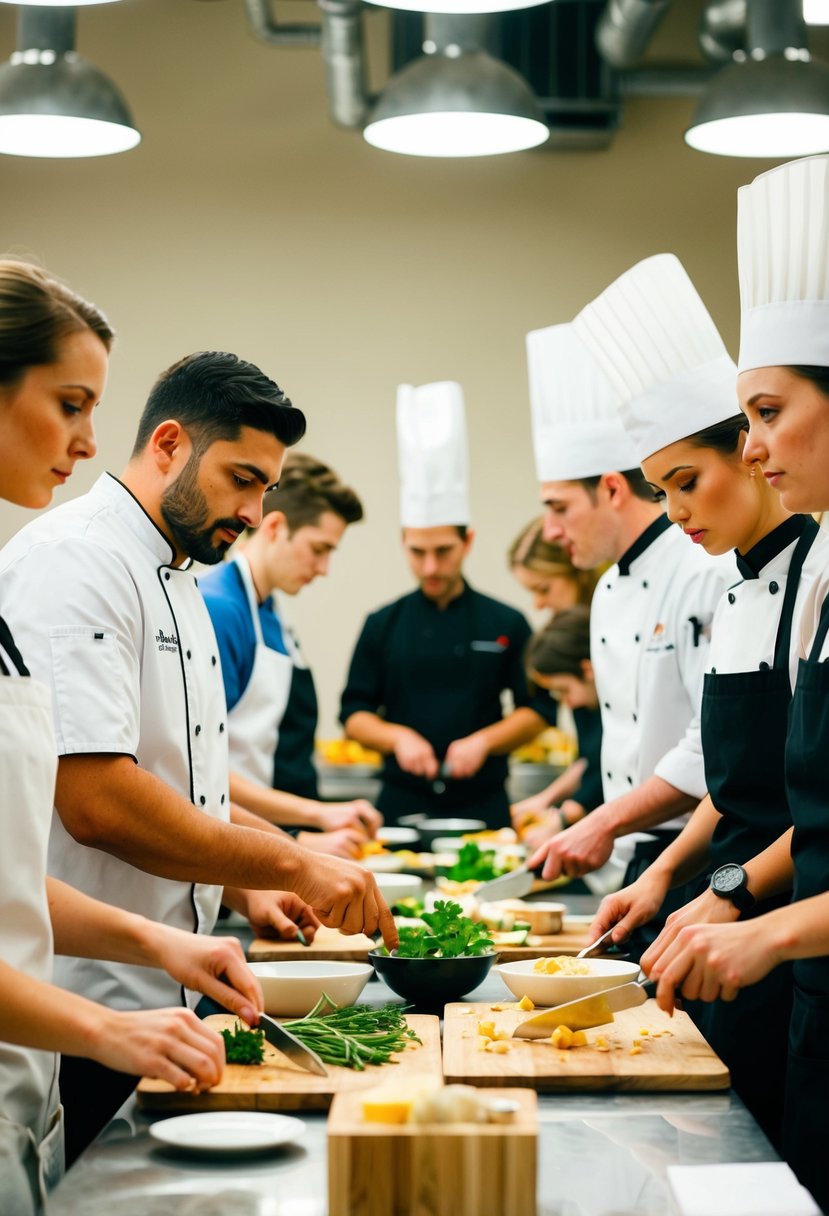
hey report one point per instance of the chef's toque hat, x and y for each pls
(576, 427)
(432, 455)
(783, 259)
(653, 336)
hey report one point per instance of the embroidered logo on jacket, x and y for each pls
(166, 641)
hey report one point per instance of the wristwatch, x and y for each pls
(731, 882)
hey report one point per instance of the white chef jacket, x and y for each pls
(123, 640)
(650, 627)
(747, 617)
(806, 626)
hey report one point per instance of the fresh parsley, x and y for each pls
(446, 933)
(243, 1045)
(475, 864)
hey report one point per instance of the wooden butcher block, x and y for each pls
(671, 1054)
(329, 944)
(278, 1084)
(569, 941)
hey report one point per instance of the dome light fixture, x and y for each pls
(54, 103)
(773, 100)
(456, 100)
(816, 12)
(459, 7)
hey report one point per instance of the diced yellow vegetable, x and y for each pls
(483, 1042)
(579, 1038)
(643, 1030)
(562, 1037)
(500, 1048)
(386, 1110)
(635, 1050)
(487, 1028)
(526, 1003)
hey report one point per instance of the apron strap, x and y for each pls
(243, 566)
(822, 630)
(784, 629)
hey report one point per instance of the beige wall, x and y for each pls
(246, 221)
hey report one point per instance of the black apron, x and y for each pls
(293, 767)
(807, 776)
(744, 723)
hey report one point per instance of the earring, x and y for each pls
(752, 471)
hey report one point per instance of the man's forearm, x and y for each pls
(515, 729)
(372, 731)
(653, 802)
(771, 872)
(110, 803)
(87, 928)
(276, 806)
(688, 855)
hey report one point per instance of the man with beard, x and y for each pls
(428, 671)
(101, 596)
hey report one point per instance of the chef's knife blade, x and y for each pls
(587, 1011)
(513, 885)
(290, 1046)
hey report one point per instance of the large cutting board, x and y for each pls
(328, 944)
(280, 1085)
(674, 1055)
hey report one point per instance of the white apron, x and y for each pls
(31, 1126)
(256, 717)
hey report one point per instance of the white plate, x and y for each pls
(218, 1131)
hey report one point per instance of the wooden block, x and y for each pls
(448, 1169)
(672, 1055)
(278, 1084)
(328, 944)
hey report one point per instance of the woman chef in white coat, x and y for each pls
(53, 362)
(783, 387)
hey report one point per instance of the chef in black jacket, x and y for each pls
(427, 673)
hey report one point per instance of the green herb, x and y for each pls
(355, 1035)
(408, 906)
(476, 864)
(447, 933)
(244, 1046)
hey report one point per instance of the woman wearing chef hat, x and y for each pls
(53, 361)
(672, 373)
(783, 386)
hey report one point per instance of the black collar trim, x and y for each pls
(643, 542)
(766, 550)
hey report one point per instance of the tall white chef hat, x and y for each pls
(576, 427)
(432, 455)
(653, 336)
(783, 258)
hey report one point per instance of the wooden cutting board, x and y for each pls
(328, 944)
(673, 1056)
(447, 1169)
(278, 1084)
(569, 941)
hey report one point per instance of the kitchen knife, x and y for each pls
(291, 1046)
(587, 1011)
(513, 885)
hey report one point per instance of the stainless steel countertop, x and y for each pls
(599, 1155)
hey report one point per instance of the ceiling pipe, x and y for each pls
(344, 56)
(625, 29)
(268, 30)
(722, 29)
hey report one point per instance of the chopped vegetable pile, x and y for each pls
(355, 1035)
(476, 864)
(446, 933)
(243, 1045)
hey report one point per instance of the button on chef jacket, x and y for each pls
(650, 624)
(124, 642)
(441, 673)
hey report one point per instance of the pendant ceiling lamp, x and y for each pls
(457, 100)
(774, 100)
(458, 6)
(816, 12)
(53, 103)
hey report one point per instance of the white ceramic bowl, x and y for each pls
(399, 886)
(293, 989)
(397, 835)
(555, 989)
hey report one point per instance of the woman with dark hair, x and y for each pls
(716, 494)
(54, 350)
(783, 386)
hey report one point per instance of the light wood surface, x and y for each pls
(460, 1169)
(328, 944)
(673, 1056)
(278, 1084)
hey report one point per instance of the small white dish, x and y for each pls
(219, 1131)
(399, 886)
(397, 835)
(292, 989)
(549, 990)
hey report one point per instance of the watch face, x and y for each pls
(728, 877)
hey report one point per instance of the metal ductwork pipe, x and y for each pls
(343, 53)
(626, 28)
(722, 29)
(268, 30)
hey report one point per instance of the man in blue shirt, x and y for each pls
(272, 706)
